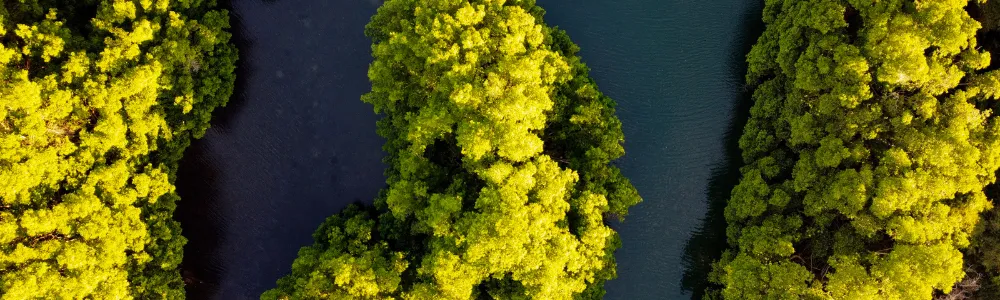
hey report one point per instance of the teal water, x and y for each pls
(676, 68)
(297, 145)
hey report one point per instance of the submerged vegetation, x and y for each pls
(499, 183)
(98, 100)
(872, 137)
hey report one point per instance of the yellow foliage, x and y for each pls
(82, 122)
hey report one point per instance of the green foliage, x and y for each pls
(870, 141)
(348, 250)
(500, 181)
(98, 100)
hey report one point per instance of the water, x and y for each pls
(676, 69)
(296, 145)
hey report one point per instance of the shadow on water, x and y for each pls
(200, 268)
(197, 175)
(707, 244)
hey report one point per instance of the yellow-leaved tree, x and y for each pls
(871, 138)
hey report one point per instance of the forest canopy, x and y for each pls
(872, 136)
(98, 100)
(499, 149)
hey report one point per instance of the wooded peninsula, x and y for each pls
(499, 182)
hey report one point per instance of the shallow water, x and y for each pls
(296, 144)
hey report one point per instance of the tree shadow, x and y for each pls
(197, 180)
(707, 243)
(201, 267)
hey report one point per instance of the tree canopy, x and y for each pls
(871, 138)
(98, 99)
(499, 148)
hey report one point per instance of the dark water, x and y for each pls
(294, 146)
(297, 145)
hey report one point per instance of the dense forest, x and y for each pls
(499, 182)
(98, 100)
(869, 154)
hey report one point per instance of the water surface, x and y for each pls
(294, 146)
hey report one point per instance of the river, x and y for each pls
(296, 144)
